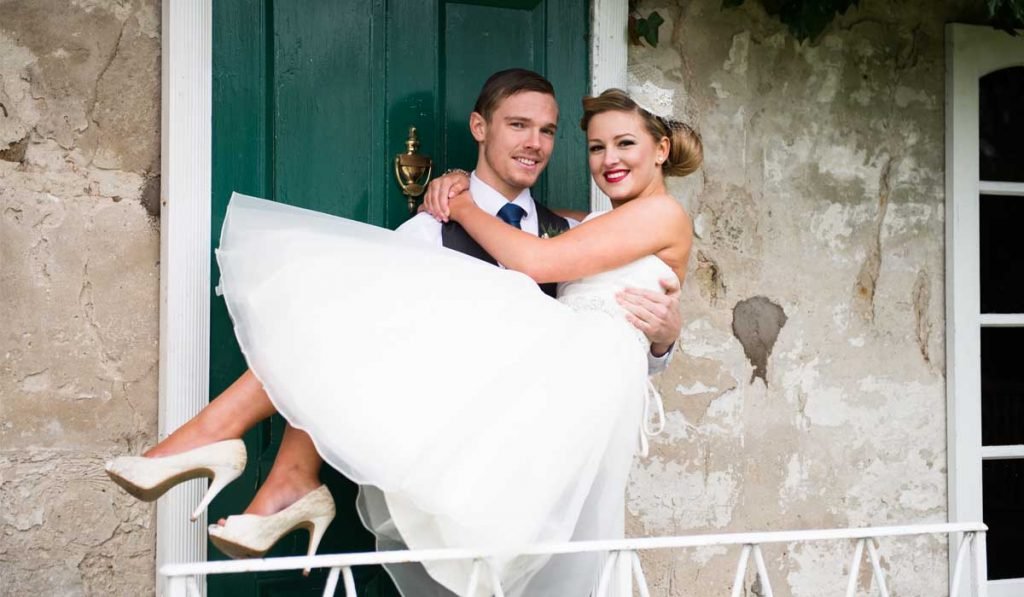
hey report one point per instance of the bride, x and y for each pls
(454, 447)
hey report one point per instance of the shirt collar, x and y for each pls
(490, 200)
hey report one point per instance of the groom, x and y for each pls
(514, 123)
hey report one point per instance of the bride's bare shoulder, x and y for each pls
(664, 209)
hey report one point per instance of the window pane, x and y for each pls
(1002, 254)
(1002, 386)
(1001, 112)
(1003, 499)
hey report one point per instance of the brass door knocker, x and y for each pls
(410, 167)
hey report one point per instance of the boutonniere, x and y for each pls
(547, 232)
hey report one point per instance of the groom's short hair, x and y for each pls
(507, 83)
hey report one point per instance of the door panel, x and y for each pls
(327, 105)
(311, 101)
(468, 28)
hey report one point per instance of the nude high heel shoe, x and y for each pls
(252, 536)
(149, 478)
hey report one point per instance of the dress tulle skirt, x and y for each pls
(474, 410)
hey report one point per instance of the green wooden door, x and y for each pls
(311, 101)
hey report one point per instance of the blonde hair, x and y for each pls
(686, 152)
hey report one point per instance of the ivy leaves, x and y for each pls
(1007, 15)
(643, 28)
(805, 19)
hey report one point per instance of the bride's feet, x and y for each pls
(148, 477)
(251, 535)
(279, 491)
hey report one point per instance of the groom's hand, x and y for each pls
(656, 314)
(441, 190)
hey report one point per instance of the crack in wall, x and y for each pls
(91, 112)
(867, 279)
(921, 299)
(709, 278)
(110, 363)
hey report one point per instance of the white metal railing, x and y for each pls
(622, 561)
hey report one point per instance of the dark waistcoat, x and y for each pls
(455, 237)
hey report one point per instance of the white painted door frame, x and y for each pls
(971, 52)
(186, 111)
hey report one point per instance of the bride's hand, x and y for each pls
(441, 190)
(458, 205)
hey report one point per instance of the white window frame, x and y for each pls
(971, 52)
(186, 116)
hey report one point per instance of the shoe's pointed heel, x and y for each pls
(222, 477)
(317, 528)
(252, 535)
(148, 478)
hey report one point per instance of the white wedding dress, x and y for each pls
(474, 410)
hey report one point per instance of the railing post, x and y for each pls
(980, 565)
(741, 570)
(332, 583)
(193, 587)
(965, 541)
(638, 572)
(762, 572)
(606, 574)
(858, 556)
(474, 578)
(350, 582)
(623, 575)
(496, 587)
(876, 568)
(176, 587)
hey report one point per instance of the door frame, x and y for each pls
(971, 52)
(186, 171)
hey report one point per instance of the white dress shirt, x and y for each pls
(424, 227)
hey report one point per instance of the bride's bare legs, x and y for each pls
(296, 469)
(296, 472)
(228, 416)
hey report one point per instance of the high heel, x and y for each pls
(149, 478)
(252, 535)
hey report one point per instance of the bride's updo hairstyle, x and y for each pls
(686, 152)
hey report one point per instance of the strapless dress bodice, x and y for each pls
(597, 292)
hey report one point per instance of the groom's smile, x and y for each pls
(530, 164)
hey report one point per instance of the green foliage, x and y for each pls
(807, 19)
(1007, 15)
(643, 28)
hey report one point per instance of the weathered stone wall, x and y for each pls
(809, 391)
(819, 219)
(79, 280)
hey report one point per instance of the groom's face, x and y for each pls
(516, 142)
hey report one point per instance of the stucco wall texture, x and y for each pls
(809, 391)
(819, 217)
(79, 286)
